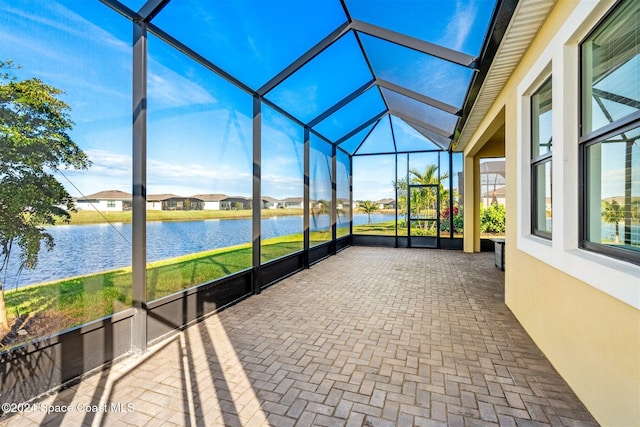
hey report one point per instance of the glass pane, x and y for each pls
(199, 174)
(445, 210)
(492, 197)
(403, 194)
(422, 112)
(409, 139)
(380, 140)
(252, 40)
(611, 69)
(440, 141)
(457, 178)
(613, 191)
(343, 193)
(423, 210)
(492, 181)
(541, 109)
(374, 195)
(282, 171)
(324, 81)
(353, 143)
(86, 275)
(457, 25)
(320, 191)
(424, 168)
(419, 72)
(352, 115)
(542, 206)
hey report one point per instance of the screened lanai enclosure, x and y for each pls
(232, 144)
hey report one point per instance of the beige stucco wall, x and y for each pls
(591, 338)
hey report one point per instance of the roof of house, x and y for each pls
(107, 195)
(237, 198)
(270, 199)
(215, 197)
(161, 197)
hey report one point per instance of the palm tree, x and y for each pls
(368, 207)
(423, 198)
(613, 213)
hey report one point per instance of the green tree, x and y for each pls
(34, 144)
(635, 211)
(368, 207)
(402, 192)
(322, 207)
(613, 213)
(425, 198)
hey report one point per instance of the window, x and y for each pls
(610, 133)
(111, 203)
(541, 155)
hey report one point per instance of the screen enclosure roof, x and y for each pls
(370, 76)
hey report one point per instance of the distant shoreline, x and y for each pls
(95, 217)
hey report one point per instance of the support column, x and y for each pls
(477, 193)
(396, 197)
(351, 196)
(334, 199)
(257, 196)
(471, 205)
(450, 153)
(306, 197)
(139, 202)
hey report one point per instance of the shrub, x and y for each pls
(492, 219)
(458, 221)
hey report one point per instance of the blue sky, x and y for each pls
(199, 125)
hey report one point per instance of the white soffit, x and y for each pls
(525, 23)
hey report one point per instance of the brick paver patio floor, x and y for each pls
(372, 336)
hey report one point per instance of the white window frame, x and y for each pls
(560, 59)
(535, 162)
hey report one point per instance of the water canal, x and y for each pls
(86, 249)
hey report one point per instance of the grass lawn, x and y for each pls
(94, 217)
(387, 228)
(85, 298)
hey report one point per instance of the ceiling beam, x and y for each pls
(438, 140)
(418, 122)
(175, 43)
(306, 57)
(393, 134)
(151, 8)
(344, 101)
(375, 125)
(361, 127)
(416, 44)
(419, 97)
(123, 10)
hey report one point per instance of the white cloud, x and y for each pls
(460, 24)
(196, 178)
(171, 89)
(109, 163)
(69, 22)
(613, 182)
